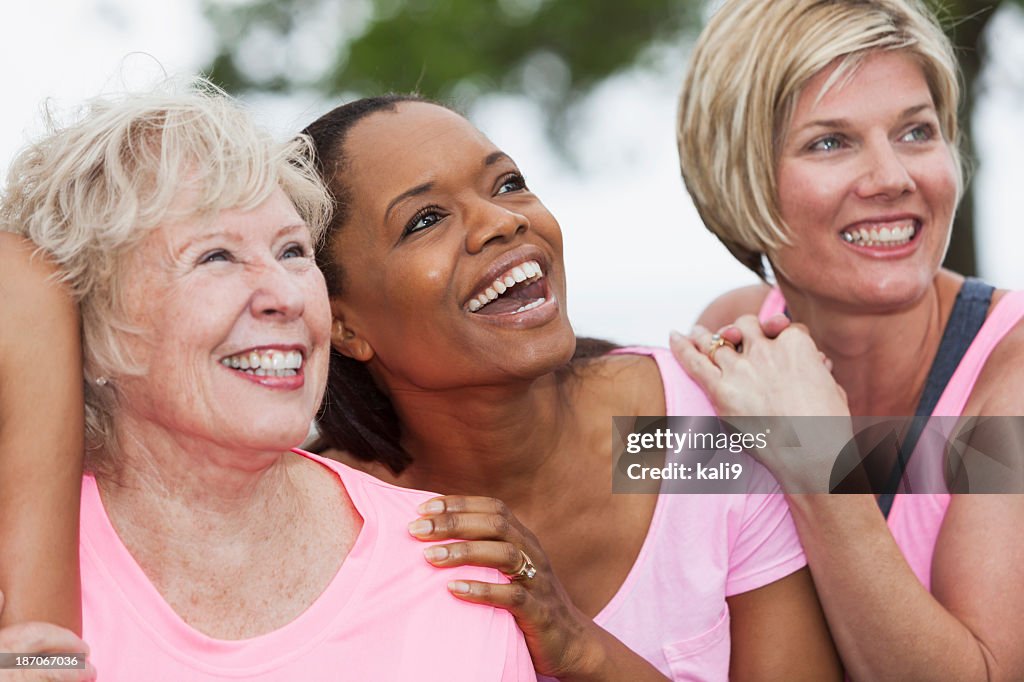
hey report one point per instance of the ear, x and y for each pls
(347, 340)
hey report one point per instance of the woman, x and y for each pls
(834, 159)
(40, 440)
(452, 370)
(211, 550)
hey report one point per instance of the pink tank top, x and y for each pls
(915, 520)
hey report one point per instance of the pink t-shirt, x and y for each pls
(699, 549)
(386, 615)
(915, 520)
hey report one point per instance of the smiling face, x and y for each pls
(868, 186)
(453, 271)
(235, 329)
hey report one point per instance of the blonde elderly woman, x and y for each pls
(820, 137)
(210, 548)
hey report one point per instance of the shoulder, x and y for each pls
(726, 308)
(997, 391)
(629, 381)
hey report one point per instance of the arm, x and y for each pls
(884, 622)
(42, 639)
(41, 431)
(779, 633)
(563, 642)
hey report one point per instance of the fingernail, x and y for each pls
(675, 337)
(421, 527)
(697, 329)
(459, 587)
(431, 507)
(436, 553)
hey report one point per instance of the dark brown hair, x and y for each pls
(356, 415)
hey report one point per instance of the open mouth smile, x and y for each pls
(266, 362)
(882, 235)
(521, 288)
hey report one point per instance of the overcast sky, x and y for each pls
(638, 260)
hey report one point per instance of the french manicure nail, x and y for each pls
(431, 507)
(421, 527)
(436, 553)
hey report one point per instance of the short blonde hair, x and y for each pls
(89, 191)
(746, 73)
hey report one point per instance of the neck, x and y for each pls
(195, 489)
(498, 441)
(880, 360)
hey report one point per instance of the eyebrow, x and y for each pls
(843, 123)
(235, 236)
(415, 191)
(495, 157)
(489, 160)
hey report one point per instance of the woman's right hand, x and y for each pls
(784, 376)
(563, 642)
(43, 638)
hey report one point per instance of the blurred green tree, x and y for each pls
(552, 51)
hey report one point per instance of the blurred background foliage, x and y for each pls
(553, 52)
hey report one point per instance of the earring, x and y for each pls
(101, 381)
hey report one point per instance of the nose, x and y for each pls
(277, 294)
(886, 175)
(489, 222)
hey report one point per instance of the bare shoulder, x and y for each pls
(726, 308)
(624, 383)
(997, 391)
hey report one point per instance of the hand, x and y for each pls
(782, 377)
(42, 638)
(562, 640)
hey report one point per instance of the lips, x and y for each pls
(882, 233)
(514, 283)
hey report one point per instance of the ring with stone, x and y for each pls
(717, 341)
(526, 569)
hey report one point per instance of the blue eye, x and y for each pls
(294, 251)
(427, 217)
(829, 143)
(215, 256)
(512, 183)
(921, 133)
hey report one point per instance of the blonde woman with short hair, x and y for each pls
(819, 143)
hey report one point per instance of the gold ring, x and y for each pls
(717, 342)
(526, 570)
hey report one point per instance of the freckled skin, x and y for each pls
(879, 161)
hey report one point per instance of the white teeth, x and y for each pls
(531, 305)
(520, 273)
(880, 236)
(266, 363)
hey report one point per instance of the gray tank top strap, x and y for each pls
(965, 321)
